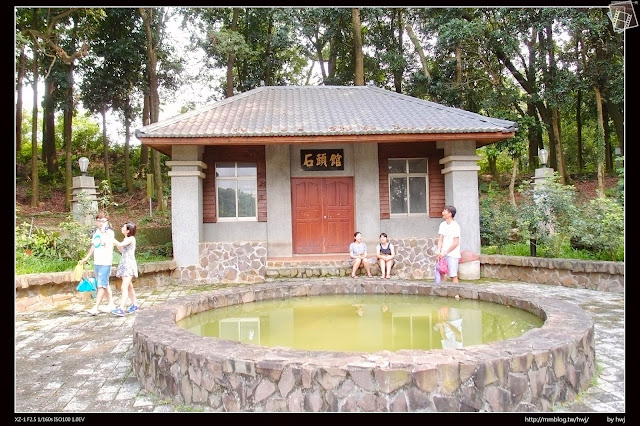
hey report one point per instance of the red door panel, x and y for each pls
(322, 214)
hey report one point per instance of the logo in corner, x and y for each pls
(622, 15)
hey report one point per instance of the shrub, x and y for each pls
(33, 241)
(546, 213)
(497, 221)
(600, 226)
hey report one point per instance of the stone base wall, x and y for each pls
(547, 365)
(38, 291)
(228, 262)
(415, 260)
(591, 275)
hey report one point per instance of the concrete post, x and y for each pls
(84, 201)
(186, 204)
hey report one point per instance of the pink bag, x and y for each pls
(443, 268)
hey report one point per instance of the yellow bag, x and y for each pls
(77, 272)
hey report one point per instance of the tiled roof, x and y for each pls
(322, 110)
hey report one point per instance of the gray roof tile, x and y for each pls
(322, 110)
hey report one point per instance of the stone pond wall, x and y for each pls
(532, 372)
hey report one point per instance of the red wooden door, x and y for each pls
(322, 210)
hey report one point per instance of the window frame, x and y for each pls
(236, 179)
(407, 175)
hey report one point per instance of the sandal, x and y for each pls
(369, 276)
(388, 277)
(354, 276)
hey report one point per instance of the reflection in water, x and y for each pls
(363, 323)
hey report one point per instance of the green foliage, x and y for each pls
(28, 264)
(73, 242)
(564, 252)
(105, 199)
(547, 211)
(550, 215)
(33, 241)
(69, 245)
(497, 219)
(600, 227)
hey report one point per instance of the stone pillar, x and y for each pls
(367, 193)
(461, 191)
(279, 228)
(84, 201)
(186, 204)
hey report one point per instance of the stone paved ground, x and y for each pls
(67, 362)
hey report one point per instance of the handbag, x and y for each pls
(443, 268)
(87, 284)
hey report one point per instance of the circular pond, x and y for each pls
(363, 322)
(531, 372)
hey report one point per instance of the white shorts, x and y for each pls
(452, 264)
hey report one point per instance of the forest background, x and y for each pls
(96, 74)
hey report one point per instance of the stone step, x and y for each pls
(313, 266)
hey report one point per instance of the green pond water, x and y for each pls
(363, 323)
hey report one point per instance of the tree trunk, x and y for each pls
(144, 150)
(512, 182)
(105, 146)
(154, 99)
(398, 73)
(534, 135)
(67, 134)
(458, 75)
(49, 156)
(357, 48)
(608, 161)
(600, 141)
(419, 50)
(493, 167)
(232, 56)
(21, 70)
(268, 53)
(35, 183)
(127, 149)
(579, 130)
(558, 146)
(547, 39)
(615, 112)
(579, 62)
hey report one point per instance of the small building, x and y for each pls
(284, 171)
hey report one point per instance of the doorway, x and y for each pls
(323, 215)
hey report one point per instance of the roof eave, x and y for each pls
(164, 144)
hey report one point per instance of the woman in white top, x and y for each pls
(358, 254)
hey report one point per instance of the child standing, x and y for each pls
(127, 269)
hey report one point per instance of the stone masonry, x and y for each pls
(545, 366)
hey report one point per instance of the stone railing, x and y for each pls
(588, 274)
(35, 291)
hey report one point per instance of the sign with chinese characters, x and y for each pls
(322, 159)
